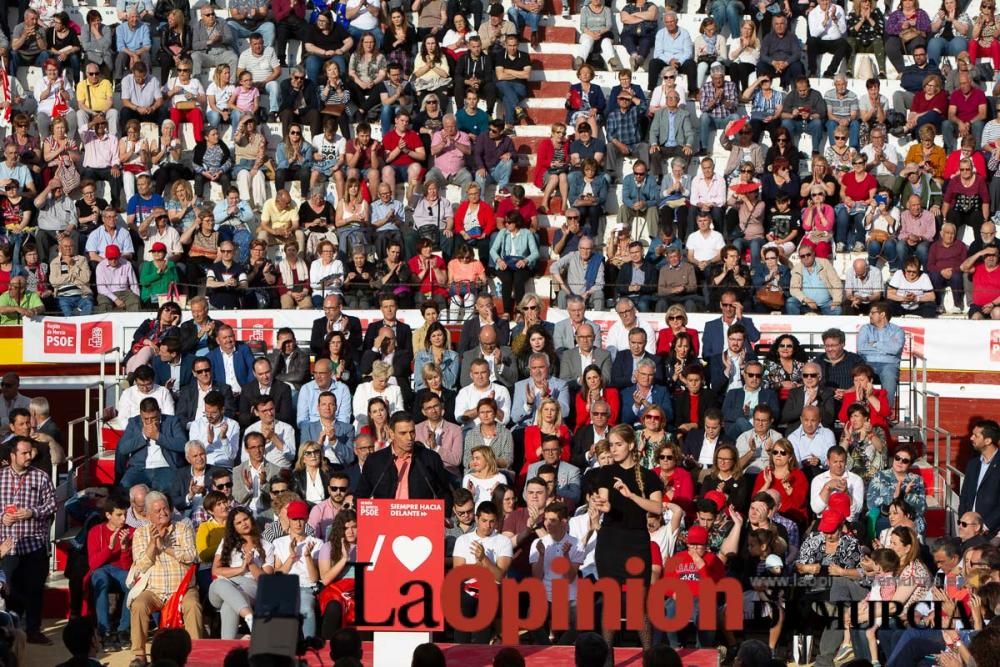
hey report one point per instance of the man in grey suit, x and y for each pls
(503, 366)
(564, 334)
(529, 393)
(250, 478)
(566, 476)
(573, 362)
(664, 144)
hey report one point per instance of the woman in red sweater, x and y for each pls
(677, 319)
(552, 165)
(109, 555)
(475, 222)
(593, 390)
(784, 476)
(864, 392)
(678, 486)
(548, 421)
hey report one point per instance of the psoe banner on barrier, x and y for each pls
(947, 344)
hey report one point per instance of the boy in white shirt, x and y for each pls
(487, 548)
(544, 550)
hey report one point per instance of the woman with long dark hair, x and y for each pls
(627, 492)
(242, 557)
(337, 574)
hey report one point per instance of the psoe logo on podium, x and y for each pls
(400, 565)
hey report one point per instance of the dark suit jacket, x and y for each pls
(570, 370)
(353, 333)
(189, 337)
(182, 480)
(132, 448)
(713, 340)
(242, 364)
(621, 369)
(792, 410)
(650, 277)
(300, 481)
(187, 402)
(296, 371)
(682, 405)
(987, 497)
(162, 371)
(732, 404)
(470, 333)
(507, 376)
(661, 397)
(404, 335)
(427, 477)
(694, 440)
(717, 379)
(582, 441)
(284, 409)
(51, 429)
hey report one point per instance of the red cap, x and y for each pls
(297, 509)
(697, 535)
(112, 252)
(159, 246)
(831, 521)
(840, 502)
(717, 497)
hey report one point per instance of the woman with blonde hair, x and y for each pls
(652, 436)
(548, 421)
(377, 387)
(250, 148)
(311, 472)
(219, 92)
(181, 205)
(626, 492)
(483, 475)
(676, 318)
(744, 52)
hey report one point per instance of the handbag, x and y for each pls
(173, 294)
(335, 110)
(171, 616)
(878, 235)
(185, 105)
(771, 296)
(68, 175)
(910, 34)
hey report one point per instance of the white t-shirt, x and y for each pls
(495, 546)
(365, 20)
(236, 557)
(330, 149)
(221, 95)
(283, 549)
(555, 550)
(579, 525)
(192, 90)
(705, 249)
(482, 488)
(917, 287)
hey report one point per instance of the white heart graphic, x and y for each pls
(412, 552)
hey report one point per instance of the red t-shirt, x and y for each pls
(966, 108)
(98, 553)
(683, 567)
(858, 190)
(412, 141)
(527, 209)
(428, 284)
(985, 285)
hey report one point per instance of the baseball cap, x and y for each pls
(717, 497)
(840, 503)
(297, 510)
(158, 247)
(112, 252)
(831, 521)
(773, 562)
(697, 535)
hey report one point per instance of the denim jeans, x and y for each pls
(101, 582)
(939, 46)
(521, 18)
(158, 479)
(499, 174)
(904, 251)
(14, 62)
(307, 607)
(755, 246)
(707, 124)
(814, 128)
(511, 94)
(848, 227)
(75, 305)
(949, 132)
(266, 30)
(727, 14)
(706, 638)
(887, 250)
(888, 377)
(357, 34)
(795, 307)
(314, 66)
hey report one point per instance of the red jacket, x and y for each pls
(98, 552)
(487, 221)
(583, 412)
(543, 160)
(282, 8)
(533, 442)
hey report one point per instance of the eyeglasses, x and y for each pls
(746, 171)
(227, 251)
(654, 418)
(840, 137)
(227, 485)
(294, 134)
(572, 217)
(901, 459)
(728, 305)
(754, 375)
(311, 452)
(203, 371)
(638, 173)
(810, 375)
(338, 489)
(966, 524)
(93, 73)
(675, 318)
(594, 413)
(430, 102)
(297, 77)
(531, 308)
(183, 69)
(805, 254)
(786, 346)
(779, 452)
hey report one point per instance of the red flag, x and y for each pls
(7, 96)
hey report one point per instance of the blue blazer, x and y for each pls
(621, 369)
(713, 340)
(345, 438)
(595, 97)
(732, 405)
(986, 498)
(661, 397)
(162, 371)
(132, 448)
(242, 364)
(717, 373)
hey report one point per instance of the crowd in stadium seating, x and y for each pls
(367, 109)
(701, 453)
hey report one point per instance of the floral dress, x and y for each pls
(775, 373)
(863, 458)
(882, 491)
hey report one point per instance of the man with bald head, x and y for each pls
(967, 108)
(573, 362)
(972, 530)
(323, 380)
(862, 287)
(335, 319)
(263, 384)
(812, 441)
(500, 358)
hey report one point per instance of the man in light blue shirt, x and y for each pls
(307, 409)
(673, 47)
(11, 169)
(134, 44)
(880, 344)
(145, 9)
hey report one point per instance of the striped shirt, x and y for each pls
(841, 106)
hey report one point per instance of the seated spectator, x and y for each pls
(983, 265)
(109, 556)
(262, 63)
(69, 274)
(864, 392)
(815, 285)
(296, 554)
(771, 281)
(804, 110)
(212, 162)
(968, 106)
(27, 41)
(249, 156)
(966, 199)
(133, 41)
(944, 266)
(117, 286)
(18, 302)
(514, 70)
(911, 292)
(817, 225)
(226, 279)
(857, 198)
(865, 444)
(881, 225)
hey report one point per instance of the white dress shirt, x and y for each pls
(855, 487)
(617, 338)
(818, 444)
(128, 402)
(230, 372)
(469, 397)
(281, 458)
(219, 451)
